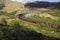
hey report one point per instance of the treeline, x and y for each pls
(42, 4)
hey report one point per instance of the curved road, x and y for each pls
(24, 16)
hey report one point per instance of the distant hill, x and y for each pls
(42, 4)
(11, 6)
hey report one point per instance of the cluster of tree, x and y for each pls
(1, 6)
(42, 4)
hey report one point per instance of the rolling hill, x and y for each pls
(13, 6)
(42, 4)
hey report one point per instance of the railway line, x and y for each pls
(24, 16)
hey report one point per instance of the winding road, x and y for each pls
(24, 16)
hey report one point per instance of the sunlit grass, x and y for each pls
(41, 28)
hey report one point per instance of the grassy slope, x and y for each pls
(46, 29)
(11, 7)
(42, 28)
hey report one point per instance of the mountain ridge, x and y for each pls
(43, 4)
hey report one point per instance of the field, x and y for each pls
(53, 17)
(13, 28)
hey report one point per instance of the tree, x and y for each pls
(1, 6)
(3, 21)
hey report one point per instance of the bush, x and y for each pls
(3, 21)
(1, 6)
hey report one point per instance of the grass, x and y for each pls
(15, 23)
(54, 12)
(42, 28)
(39, 28)
(47, 19)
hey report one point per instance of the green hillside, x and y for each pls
(13, 6)
(13, 28)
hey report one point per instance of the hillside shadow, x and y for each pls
(19, 34)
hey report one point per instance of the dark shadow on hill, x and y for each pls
(42, 4)
(18, 32)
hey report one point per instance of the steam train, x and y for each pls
(21, 16)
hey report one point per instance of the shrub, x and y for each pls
(3, 21)
(1, 6)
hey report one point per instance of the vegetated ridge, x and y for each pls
(42, 4)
